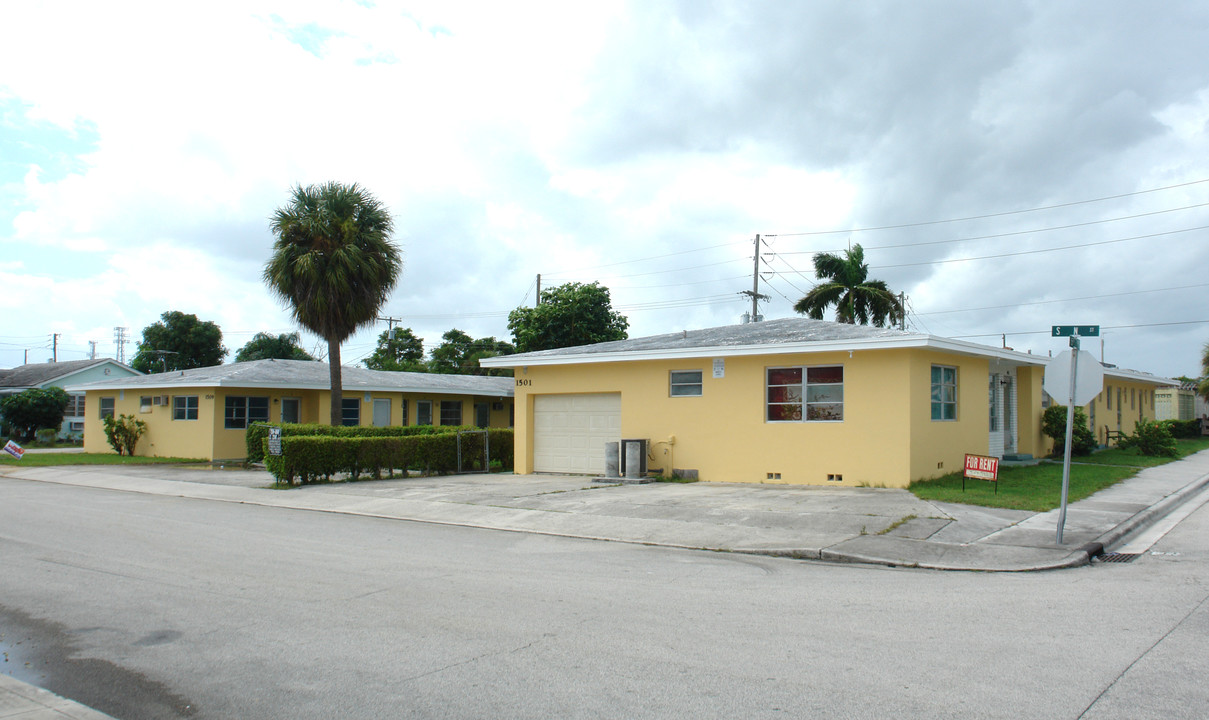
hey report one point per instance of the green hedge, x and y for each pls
(1183, 428)
(321, 457)
(258, 433)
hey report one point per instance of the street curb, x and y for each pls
(1150, 515)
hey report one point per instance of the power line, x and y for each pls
(1015, 232)
(1046, 302)
(1044, 250)
(644, 259)
(1102, 327)
(990, 215)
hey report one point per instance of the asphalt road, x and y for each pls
(146, 606)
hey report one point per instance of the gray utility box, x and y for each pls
(644, 449)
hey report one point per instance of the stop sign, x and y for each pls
(1089, 378)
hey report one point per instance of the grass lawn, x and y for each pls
(48, 459)
(1039, 487)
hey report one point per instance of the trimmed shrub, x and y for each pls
(1053, 424)
(257, 433)
(1150, 438)
(123, 432)
(313, 458)
(46, 436)
(1182, 428)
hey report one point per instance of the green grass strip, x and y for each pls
(1038, 488)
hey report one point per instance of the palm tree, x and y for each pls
(856, 298)
(333, 263)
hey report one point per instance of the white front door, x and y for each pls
(381, 412)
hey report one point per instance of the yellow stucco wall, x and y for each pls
(938, 447)
(887, 436)
(208, 438)
(164, 436)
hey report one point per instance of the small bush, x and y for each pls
(1053, 424)
(46, 436)
(123, 432)
(1151, 438)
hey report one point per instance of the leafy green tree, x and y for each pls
(399, 350)
(566, 316)
(264, 346)
(847, 286)
(334, 264)
(179, 341)
(459, 354)
(29, 410)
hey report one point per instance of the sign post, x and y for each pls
(1080, 378)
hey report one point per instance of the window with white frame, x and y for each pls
(350, 412)
(944, 392)
(992, 400)
(805, 394)
(75, 406)
(241, 411)
(106, 407)
(184, 407)
(684, 383)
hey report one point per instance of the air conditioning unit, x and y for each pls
(158, 400)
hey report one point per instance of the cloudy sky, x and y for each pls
(1009, 166)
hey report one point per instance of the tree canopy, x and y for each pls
(29, 410)
(566, 316)
(179, 341)
(847, 286)
(459, 354)
(333, 264)
(398, 349)
(264, 346)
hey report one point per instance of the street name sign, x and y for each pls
(1080, 330)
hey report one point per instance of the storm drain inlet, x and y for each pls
(1117, 557)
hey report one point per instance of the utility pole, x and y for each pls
(902, 318)
(539, 291)
(390, 322)
(754, 293)
(92, 349)
(54, 344)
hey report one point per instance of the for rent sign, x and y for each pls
(982, 467)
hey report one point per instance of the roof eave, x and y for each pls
(798, 348)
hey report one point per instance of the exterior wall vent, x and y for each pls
(836, 477)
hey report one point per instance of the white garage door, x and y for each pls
(570, 432)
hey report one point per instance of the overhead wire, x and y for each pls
(990, 215)
(1013, 233)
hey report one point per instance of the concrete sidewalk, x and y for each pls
(21, 701)
(867, 525)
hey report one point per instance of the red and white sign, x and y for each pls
(982, 467)
(14, 449)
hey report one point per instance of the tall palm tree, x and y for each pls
(333, 263)
(856, 298)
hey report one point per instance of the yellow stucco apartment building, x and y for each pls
(795, 401)
(205, 412)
